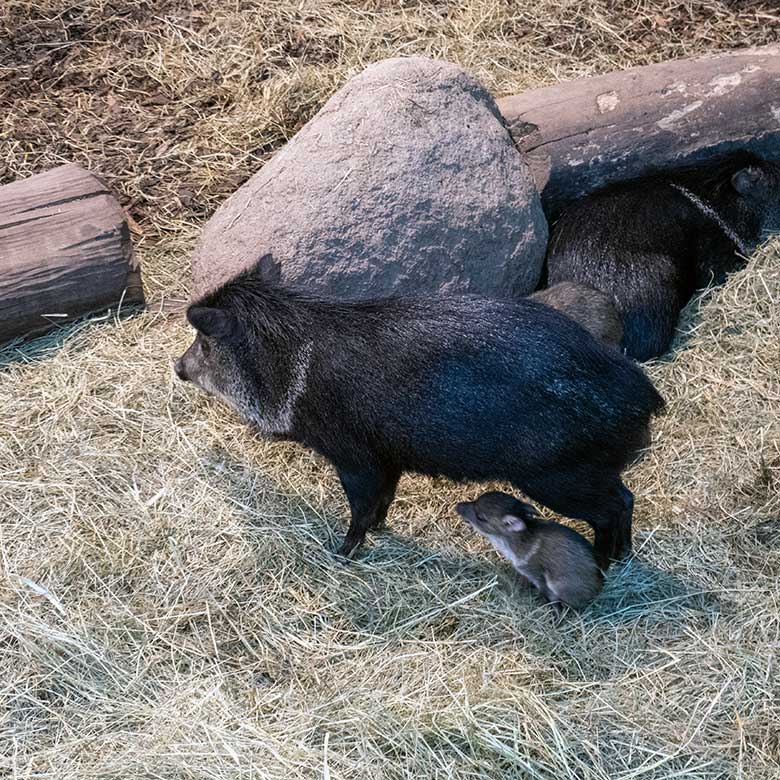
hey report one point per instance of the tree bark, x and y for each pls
(583, 134)
(65, 251)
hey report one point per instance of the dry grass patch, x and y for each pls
(168, 604)
(170, 607)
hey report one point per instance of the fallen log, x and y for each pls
(65, 251)
(582, 134)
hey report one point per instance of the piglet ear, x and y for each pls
(514, 523)
(747, 180)
(214, 323)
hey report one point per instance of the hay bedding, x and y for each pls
(168, 608)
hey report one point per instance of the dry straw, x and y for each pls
(168, 604)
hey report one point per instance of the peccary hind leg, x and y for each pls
(622, 548)
(611, 521)
(370, 493)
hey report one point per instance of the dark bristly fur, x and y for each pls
(555, 559)
(465, 387)
(650, 247)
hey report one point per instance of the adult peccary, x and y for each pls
(651, 243)
(593, 309)
(555, 559)
(465, 387)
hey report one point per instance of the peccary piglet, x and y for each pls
(464, 387)
(555, 559)
(651, 243)
(594, 310)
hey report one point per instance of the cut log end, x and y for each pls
(65, 251)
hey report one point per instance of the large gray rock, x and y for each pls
(405, 181)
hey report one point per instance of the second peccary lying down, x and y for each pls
(650, 243)
(593, 309)
(464, 387)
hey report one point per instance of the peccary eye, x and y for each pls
(205, 347)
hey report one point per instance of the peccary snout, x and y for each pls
(180, 370)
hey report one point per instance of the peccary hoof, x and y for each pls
(622, 552)
(342, 555)
(345, 550)
(406, 181)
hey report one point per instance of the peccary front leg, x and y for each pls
(389, 485)
(369, 492)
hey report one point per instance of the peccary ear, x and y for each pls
(514, 523)
(215, 323)
(269, 269)
(747, 180)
